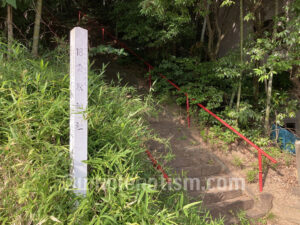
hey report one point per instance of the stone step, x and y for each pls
(229, 208)
(225, 182)
(203, 171)
(262, 206)
(215, 195)
(198, 171)
(222, 182)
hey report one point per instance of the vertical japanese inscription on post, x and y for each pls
(78, 107)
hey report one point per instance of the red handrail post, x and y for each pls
(260, 172)
(158, 167)
(103, 32)
(188, 110)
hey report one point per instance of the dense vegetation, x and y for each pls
(34, 151)
(249, 84)
(251, 87)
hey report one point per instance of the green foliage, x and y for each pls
(242, 216)
(174, 17)
(288, 159)
(218, 131)
(249, 16)
(252, 175)
(270, 216)
(227, 3)
(238, 162)
(283, 106)
(229, 66)
(245, 116)
(107, 49)
(143, 24)
(274, 152)
(244, 220)
(13, 3)
(208, 84)
(195, 78)
(34, 105)
(279, 50)
(33, 138)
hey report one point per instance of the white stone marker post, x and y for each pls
(78, 107)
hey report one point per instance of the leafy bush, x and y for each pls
(213, 85)
(245, 116)
(104, 49)
(252, 175)
(196, 79)
(238, 162)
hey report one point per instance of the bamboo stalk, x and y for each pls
(37, 24)
(10, 33)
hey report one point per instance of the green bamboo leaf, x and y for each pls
(13, 3)
(191, 205)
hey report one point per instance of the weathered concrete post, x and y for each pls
(297, 146)
(78, 107)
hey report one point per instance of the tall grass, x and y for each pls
(34, 151)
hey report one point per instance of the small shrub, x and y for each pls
(238, 162)
(252, 175)
(287, 159)
(243, 218)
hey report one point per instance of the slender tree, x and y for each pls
(241, 55)
(203, 30)
(10, 4)
(270, 80)
(215, 35)
(10, 33)
(37, 25)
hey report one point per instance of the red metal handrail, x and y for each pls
(260, 151)
(158, 167)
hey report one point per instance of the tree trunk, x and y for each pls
(10, 33)
(241, 55)
(174, 48)
(270, 82)
(210, 39)
(268, 105)
(238, 98)
(203, 31)
(116, 30)
(210, 32)
(218, 29)
(266, 86)
(37, 25)
(232, 97)
(275, 22)
(255, 88)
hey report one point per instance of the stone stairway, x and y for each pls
(172, 125)
(221, 193)
(202, 174)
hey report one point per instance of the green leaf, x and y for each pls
(227, 3)
(249, 17)
(13, 3)
(186, 207)
(191, 205)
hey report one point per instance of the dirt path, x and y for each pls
(209, 175)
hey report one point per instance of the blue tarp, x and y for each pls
(285, 138)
